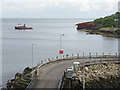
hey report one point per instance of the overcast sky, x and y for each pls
(57, 8)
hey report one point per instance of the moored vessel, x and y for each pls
(22, 27)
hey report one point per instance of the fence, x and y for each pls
(94, 59)
(88, 59)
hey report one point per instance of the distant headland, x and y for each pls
(108, 26)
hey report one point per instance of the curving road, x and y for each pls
(51, 74)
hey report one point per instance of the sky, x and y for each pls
(57, 8)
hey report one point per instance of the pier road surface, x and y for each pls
(51, 74)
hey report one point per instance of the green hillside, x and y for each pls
(109, 21)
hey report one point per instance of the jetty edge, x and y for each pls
(104, 76)
(108, 26)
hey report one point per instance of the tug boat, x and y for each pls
(22, 27)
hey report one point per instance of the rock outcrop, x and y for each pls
(21, 80)
(96, 76)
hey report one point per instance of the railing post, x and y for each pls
(77, 55)
(89, 57)
(49, 59)
(102, 57)
(95, 58)
(107, 57)
(38, 72)
(41, 62)
(72, 56)
(109, 54)
(56, 57)
(116, 57)
(60, 56)
(67, 55)
(103, 54)
(83, 72)
(63, 56)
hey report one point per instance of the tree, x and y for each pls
(108, 21)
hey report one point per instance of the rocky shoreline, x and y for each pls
(108, 26)
(95, 76)
(107, 32)
(20, 80)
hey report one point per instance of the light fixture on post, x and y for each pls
(61, 51)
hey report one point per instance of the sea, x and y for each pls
(22, 48)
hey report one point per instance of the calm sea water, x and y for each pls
(45, 35)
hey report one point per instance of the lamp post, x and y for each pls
(83, 72)
(61, 50)
(33, 54)
(61, 40)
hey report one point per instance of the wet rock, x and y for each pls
(27, 70)
(18, 75)
(27, 76)
(20, 80)
(86, 69)
(102, 76)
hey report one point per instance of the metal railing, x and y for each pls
(89, 59)
(31, 83)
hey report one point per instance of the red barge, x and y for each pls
(86, 26)
(22, 27)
